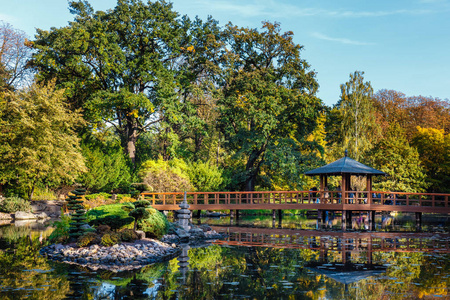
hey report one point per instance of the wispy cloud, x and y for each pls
(253, 8)
(339, 40)
(7, 18)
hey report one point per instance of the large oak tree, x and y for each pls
(269, 104)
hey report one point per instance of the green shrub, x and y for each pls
(128, 235)
(87, 239)
(43, 194)
(204, 176)
(110, 239)
(114, 222)
(102, 196)
(112, 215)
(165, 176)
(120, 197)
(101, 229)
(156, 225)
(13, 204)
(61, 232)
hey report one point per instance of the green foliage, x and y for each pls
(108, 168)
(77, 214)
(128, 235)
(433, 146)
(119, 73)
(38, 144)
(358, 127)
(165, 176)
(268, 100)
(87, 239)
(97, 195)
(61, 232)
(156, 225)
(394, 156)
(204, 176)
(114, 222)
(13, 204)
(110, 239)
(114, 214)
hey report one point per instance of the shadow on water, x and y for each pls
(257, 260)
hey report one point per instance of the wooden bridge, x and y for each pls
(308, 200)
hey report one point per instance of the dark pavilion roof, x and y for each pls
(345, 165)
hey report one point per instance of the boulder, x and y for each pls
(22, 215)
(42, 215)
(5, 216)
(181, 233)
(205, 227)
(140, 234)
(197, 233)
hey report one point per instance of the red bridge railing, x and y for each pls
(332, 200)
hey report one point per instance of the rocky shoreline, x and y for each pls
(117, 258)
(129, 256)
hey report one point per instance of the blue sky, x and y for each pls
(402, 45)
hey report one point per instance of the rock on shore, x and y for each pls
(117, 258)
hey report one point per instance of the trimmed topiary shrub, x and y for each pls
(77, 213)
(13, 204)
(156, 225)
(112, 215)
(113, 222)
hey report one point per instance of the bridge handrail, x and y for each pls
(301, 197)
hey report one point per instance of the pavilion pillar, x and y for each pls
(369, 189)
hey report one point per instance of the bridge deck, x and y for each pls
(309, 200)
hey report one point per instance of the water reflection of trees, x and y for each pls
(224, 272)
(24, 273)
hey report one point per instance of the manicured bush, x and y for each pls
(155, 225)
(114, 222)
(87, 239)
(110, 239)
(77, 214)
(128, 235)
(13, 204)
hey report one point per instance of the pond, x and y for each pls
(296, 259)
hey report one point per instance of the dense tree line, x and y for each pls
(140, 93)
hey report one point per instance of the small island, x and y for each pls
(102, 237)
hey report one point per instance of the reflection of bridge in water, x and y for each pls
(345, 242)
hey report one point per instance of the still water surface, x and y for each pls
(297, 259)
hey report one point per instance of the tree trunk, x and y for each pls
(131, 136)
(252, 168)
(31, 193)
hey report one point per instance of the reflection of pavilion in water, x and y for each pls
(338, 251)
